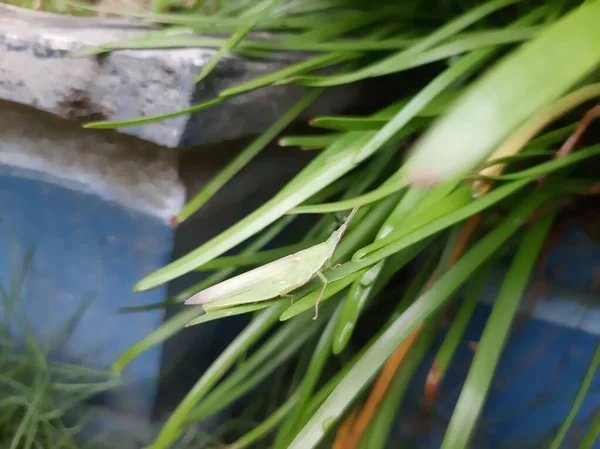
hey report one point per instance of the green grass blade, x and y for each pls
(363, 288)
(267, 426)
(226, 313)
(326, 168)
(245, 156)
(397, 240)
(259, 13)
(446, 352)
(463, 67)
(160, 334)
(494, 337)
(228, 392)
(519, 157)
(321, 354)
(455, 47)
(368, 366)
(314, 63)
(250, 335)
(154, 118)
(590, 437)
(279, 340)
(378, 434)
(544, 168)
(362, 200)
(583, 390)
(443, 33)
(523, 82)
(364, 124)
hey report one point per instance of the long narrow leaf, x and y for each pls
(477, 385)
(508, 94)
(368, 366)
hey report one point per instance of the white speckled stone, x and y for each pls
(37, 69)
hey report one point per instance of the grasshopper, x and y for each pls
(273, 279)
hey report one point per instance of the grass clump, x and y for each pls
(478, 158)
(42, 400)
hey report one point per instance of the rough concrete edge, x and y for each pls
(142, 176)
(128, 84)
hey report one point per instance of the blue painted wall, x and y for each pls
(542, 366)
(86, 247)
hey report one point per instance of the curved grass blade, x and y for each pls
(330, 165)
(388, 65)
(245, 378)
(365, 287)
(453, 338)
(310, 64)
(531, 127)
(321, 354)
(250, 335)
(494, 337)
(455, 47)
(259, 12)
(267, 426)
(245, 156)
(428, 303)
(378, 434)
(353, 305)
(370, 222)
(398, 240)
(544, 168)
(590, 437)
(464, 66)
(362, 200)
(226, 313)
(154, 118)
(507, 95)
(583, 390)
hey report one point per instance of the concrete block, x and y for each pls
(37, 69)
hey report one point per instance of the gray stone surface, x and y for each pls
(37, 69)
(140, 175)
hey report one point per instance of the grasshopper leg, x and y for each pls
(324, 280)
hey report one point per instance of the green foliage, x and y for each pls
(489, 96)
(41, 398)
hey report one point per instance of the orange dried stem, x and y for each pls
(379, 390)
(433, 377)
(360, 424)
(345, 429)
(574, 138)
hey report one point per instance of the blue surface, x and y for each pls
(86, 247)
(541, 368)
